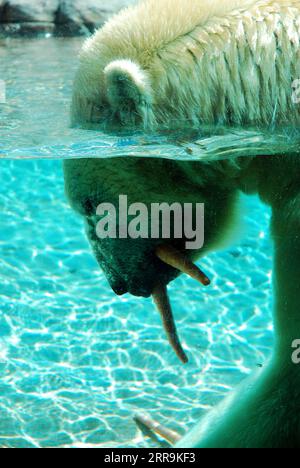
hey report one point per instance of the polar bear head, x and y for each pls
(144, 266)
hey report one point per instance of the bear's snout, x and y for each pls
(130, 265)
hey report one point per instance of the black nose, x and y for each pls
(119, 288)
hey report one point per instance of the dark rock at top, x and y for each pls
(91, 13)
(2, 3)
(22, 11)
(68, 17)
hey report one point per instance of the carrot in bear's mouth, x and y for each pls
(161, 299)
(178, 260)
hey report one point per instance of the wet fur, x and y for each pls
(205, 61)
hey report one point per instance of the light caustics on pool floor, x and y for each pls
(76, 362)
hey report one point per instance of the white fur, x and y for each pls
(130, 69)
(129, 93)
(206, 61)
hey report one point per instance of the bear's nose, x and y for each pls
(119, 287)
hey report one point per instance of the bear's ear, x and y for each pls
(129, 92)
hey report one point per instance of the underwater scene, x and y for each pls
(104, 343)
(77, 362)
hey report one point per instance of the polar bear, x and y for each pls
(181, 64)
(189, 62)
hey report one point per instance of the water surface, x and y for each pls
(34, 122)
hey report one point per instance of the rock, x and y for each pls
(55, 17)
(88, 12)
(26, 29)
(72, 30)
(2, 3)
(23, 11)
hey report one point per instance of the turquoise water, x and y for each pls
(77, 362)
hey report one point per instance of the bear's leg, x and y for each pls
(286, 235)
(264, 412)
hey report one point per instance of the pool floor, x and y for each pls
(76, 362)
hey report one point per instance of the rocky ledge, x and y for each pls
(55, 17)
